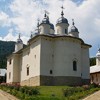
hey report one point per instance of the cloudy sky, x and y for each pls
(20, 16)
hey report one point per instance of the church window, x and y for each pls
(9, 61)
(27, 71)
(52, 55)
(74, 65)
(57, 30)
(9, 75)
(34, 56)
(51, 72)
(65, 31)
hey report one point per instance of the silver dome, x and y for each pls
(19, 40)
(73, 29)
(62, 20)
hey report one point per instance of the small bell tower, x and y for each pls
(19, 44)
(98, 58)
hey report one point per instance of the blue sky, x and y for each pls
(20, 16)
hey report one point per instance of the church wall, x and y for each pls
(16, 68)
(47, 56)
(10, 70)
(61, 28)
(85, 63)
(45, 29)
(66, 51)
(31, 60)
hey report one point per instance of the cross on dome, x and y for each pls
(73, 22)
(19, 35)
(62, 13)
(46, 13)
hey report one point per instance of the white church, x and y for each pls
(50, 58)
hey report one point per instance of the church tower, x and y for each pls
(98, 58)
(62, 24)
(45, 26)
(19, 44)
(73, 31)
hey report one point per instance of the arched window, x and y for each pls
(75, 65)
(51, 72)
(27, 71)
(65, 31)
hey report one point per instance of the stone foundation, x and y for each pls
(54, 81)
(33, 81)
(60, 80)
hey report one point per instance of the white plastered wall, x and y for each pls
(67, 50)
(10, 70)
(31, 59)
(47, 56)
(61, 28)
(85, 62)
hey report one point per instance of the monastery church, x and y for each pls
(50, 58)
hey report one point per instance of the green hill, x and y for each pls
(6, 48)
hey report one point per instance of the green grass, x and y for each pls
(52, 92)
(49, 90)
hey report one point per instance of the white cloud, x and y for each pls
(4, 19)
(11, 37)
(26, 12)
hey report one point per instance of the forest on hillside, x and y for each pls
(6, 48)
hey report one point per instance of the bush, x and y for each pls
(70, 91)
(29, 90)
(94, 85)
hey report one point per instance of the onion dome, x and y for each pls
(73, 28)
(19, 40)
(45, 20)
(62, 19)
(98, 53)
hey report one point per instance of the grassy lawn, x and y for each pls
(50, 92)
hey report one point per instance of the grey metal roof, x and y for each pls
(73, 29)
(19, 41)
(62, 20)
(2, 72)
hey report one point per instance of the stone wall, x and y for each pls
(60, 80)
(33, 81)
(54, 81)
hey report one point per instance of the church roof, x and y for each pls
(62, 20)
(98, 53)
(2, 72)
(73, 28)
(19, 40)
(51, 36)
(94, 69)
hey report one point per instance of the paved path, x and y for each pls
(95, 96)
(6, 96)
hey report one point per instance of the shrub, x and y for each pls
(94, 85)
(86, 87)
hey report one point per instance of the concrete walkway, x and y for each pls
(95, 96)
(6, 96)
